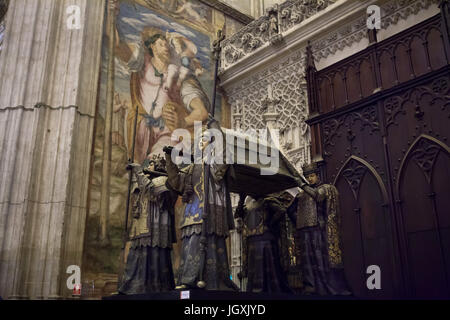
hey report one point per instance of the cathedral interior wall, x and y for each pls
(52, 110)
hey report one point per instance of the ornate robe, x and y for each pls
(216, 270)
(149, 264)
(262, 245)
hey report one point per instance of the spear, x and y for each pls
(203, 241)
(130, 179)
(127, 210)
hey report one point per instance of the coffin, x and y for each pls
(248, 177)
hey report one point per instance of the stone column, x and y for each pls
(107, 143)
(237, 117)
(235, 236)
(270, 117)
(49, 74)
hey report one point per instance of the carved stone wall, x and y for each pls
(268, 29)
(284, 68)
(289, 88)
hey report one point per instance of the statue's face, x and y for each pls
(312, 178)
(203, 143)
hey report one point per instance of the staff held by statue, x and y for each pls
(130, 180)
(203, 241)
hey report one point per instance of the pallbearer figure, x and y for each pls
(262, 217)
(316, 215)
(149, 265)
(207, 269)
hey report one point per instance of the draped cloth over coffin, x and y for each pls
(245, 177)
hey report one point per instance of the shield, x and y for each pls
(258, 167)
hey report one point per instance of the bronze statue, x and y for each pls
(262, 217)
(205, 224)
(315, 213)
(149, 264)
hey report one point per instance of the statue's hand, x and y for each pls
(301, 182)
(212, 122)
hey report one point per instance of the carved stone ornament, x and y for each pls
(279, 89)
(291, 13)
(268, 29)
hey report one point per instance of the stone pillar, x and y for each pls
(235, 235)
(107, 143)
(237, 116)
(49, 74)
(236, 248)
(270, 117)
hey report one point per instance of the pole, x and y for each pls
(130, 181)
(216, 52)
(203, 240)
(127, 210)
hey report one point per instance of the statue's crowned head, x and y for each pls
(311, 172)
(157, 163)
(205, 139)
(202, 138)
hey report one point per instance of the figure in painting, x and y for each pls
(190, 183)
(149, 264)
(315, 213)
(262, 217)
(193, 11)
(164, 87)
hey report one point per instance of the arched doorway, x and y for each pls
(366, 227)
(423, 191)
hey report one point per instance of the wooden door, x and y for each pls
(366, 227)
(384, 138)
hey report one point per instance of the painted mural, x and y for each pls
(164, 80)
(156, 57)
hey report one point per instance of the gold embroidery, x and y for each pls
(253, 232)
(307, 211)
(333, 227)
(198, 189)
